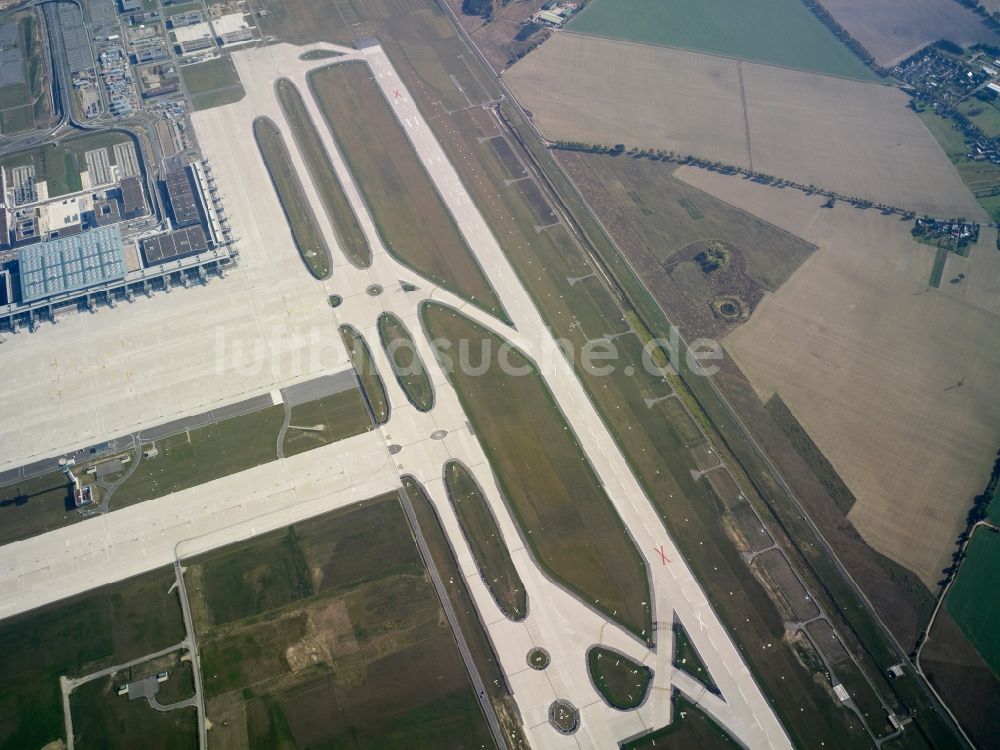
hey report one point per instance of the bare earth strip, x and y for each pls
(868, 358)
(892, 33)
(855, 138)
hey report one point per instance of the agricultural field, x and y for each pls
(74, 637)
(409, 214)
(405, 361)
(832, 364)
(25, 105)
(549, 485)
(485, 541)
(326, 420)
(349, 235)
(857, 139)
(60, 164)
(213, 83)
(781, 32)
(373, 390)
(308, 236)
(974, 598)
(891, 33)
(670, 221)
(329, 633)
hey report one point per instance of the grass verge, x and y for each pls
(372, 387)
(326, 420)
(305, 230)
(405, 361)
(351, 238)
(481, 531)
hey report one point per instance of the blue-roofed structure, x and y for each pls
(71, 264)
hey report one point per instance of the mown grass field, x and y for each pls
(329, 634)
(326, 420)
(410, 215)
(405, 361)
(34, 506)
(371, 382)
(549, 484)
(201, 455)
(778, 32)
(213, 83)
(621, 681)
(483, 534)
(306, 233)
(73, 637)
(349, 235)
(974, 598)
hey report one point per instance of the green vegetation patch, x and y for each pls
(349, 234)
(974, 597)
(326, 420)
(364, 661)
(302, 222)
(405, 361)
(406, 208)
(203, 454)
(940, 258)
(238, 584)
(550, 486)
(213, 83)
(103, 719)
(687, 659)
(777, 32)
(691, 728)
(476, 637)
(620, 681)
(483, 534)
(373, 389)
(74, 637)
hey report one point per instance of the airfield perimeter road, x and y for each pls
(126, 542)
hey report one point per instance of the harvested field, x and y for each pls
(858, 139)
(891, 33)
(867, 360)
(778, 32)
(408, 212)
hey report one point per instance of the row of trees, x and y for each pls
(844, 36)
(663, 155)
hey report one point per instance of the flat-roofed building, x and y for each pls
(183, 205)
(63, 216)
(133, 201)
(72, 264)
(173, 245)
